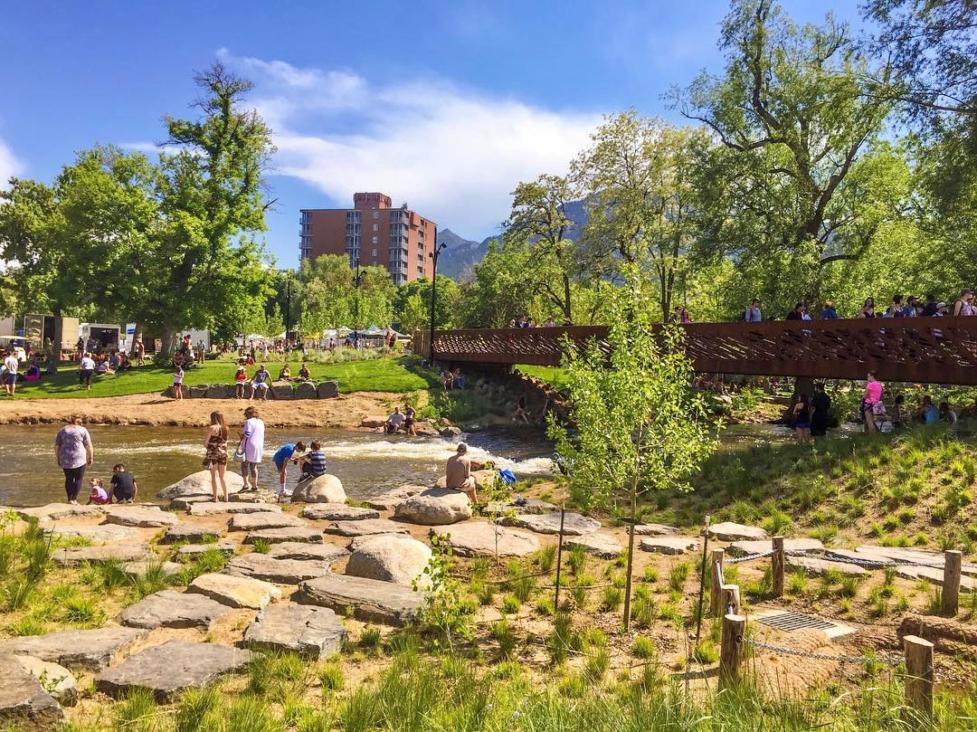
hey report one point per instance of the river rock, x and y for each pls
(85, 650)
(394, 497)
(221, 391)
(327, 390)
(311, 631)
(193, 551)
(729, 531)
(373, 423)
(212, 508)
(104, 553)
(58, 681)
(338, 512)
(370, 600)
(365, 527)
(190, 533)
(197, 392)
(324, 489)
(280, 571)
(198, 484)
(171, 668)
(394, 558)
(328, 553)
(183, 503)
(263, 520)
(482, 539)
(525, 505)
(791, 546)
(435, 507)
(171, 609)
(281, 390)
(57, 511)
(305, 390)
(818, 566)
(574, 524)
(654, 530)
(141, 516)
(285, 533)
(600, 544)
(450, 432)
(669, 544)
(235, 591)
(100, 533)
(259, 496)
(24, 704)
(140, 568)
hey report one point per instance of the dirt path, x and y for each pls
(343, 412)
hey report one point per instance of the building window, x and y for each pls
(374, 253)
(376, 227)
(373, 240)
(376, 214)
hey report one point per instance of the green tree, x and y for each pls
(641, 427)
(412, 305)
(498, 293)
(330, 298)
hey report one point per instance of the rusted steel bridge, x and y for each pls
(920, 350)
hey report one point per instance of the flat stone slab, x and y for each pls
(303, 550)
(280, 571)
(654, 530)
(391, 499)
(791, 546)
(574, 524)
(141, 516)
(57, 681)
(171, 609)
(190, 533)
(23, 701)
(263, 520)
(900, 555)
(729, 531)
(600, 544)
(857, 556)
(139, 568)
(100, 533)
(315, 632)
(526, 505)
(56, 511)
(338, 512)
(482, 539)
(669, 544)
(235, 591)
(211, 508)
(817, 566)
(105, 553)
(85, 650)
(192, 551)
(934, 575)
(171, 668)
(371, 600)
(307, 534)
(184, 502)
(365, 527)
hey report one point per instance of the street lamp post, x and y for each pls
(434, 294)
(357, 281)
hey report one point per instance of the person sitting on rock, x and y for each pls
(285, 373)
(394, 422)
(304, 374)
(410, 420)
(459, 473)
(259, 382)
(314, 463)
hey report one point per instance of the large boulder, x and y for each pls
(197, 392)
(327, 390)
(373, 422)
(281, 390)
(221, 391)
(435, 507)
(391, 558)
(198, 484)
(305, 390)
(324, 489)
(394, 497)
(484, 479)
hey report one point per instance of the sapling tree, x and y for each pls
(640, 427)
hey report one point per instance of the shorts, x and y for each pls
(121, 495)
(85, 376)
(10, 378)
(802, 425)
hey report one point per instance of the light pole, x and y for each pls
(434, 292)
(357, 281)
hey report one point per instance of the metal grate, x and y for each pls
(789, 622)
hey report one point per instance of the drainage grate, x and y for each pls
(789, 622)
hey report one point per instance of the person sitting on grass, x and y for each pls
(947, 414)
(284, 373)
(260, 382)
(124, 364)
(33, 372)
(314, 463)
(927, 412)
(458, 473)
(304, 373)
(394, 422)
(97, 493)
(124, 486)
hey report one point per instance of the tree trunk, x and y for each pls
(567, 310)
(171, 338)
(54, 358)
(630, 570)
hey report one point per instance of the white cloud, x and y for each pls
(453, 154)
(9, 164)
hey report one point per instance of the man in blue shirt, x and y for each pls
(281, 458)
(752, 313)
(928, 413)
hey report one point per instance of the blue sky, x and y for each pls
(443, 105)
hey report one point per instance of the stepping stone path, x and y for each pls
(280, 571)
(324, 489)
(791, 546)
(171, 668)
(602, 545)
(190, 533)
(365, 527)
(392, 558)
(58, 681)
(23, 701)
(259, 496)
(56, 511)
(654, 530)
(371, 600)
(286, 533)
(528, 505)
(857, 556)
(103, 532)
(574, 524)
(391, 499)
(139, 568)
(931, 574)
(436, 507)
(898, 555)
(107, 553)
(729, 531)
(198, 484)
(263, 520)
(184, 503)
(141, 516)
(171, 609)
(816, 566)
(210, 508)
(338, 512)
(315, 632)
(328, 553)
(669, 544)
(241, 592)
(482, 539)
(85, 650)
(192, 551)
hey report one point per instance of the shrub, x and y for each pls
(510, 604)
(331, 677)
(643, 647)
(503, 634)
(613, 597)
(546, 558)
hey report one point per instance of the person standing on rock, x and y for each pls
(281, 457)
(252, 447)
(459, 473)
(215, 460)
(73, 446)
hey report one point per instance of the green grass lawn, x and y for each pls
(552, 375)
(397, 375)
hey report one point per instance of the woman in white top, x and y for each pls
(252, 447)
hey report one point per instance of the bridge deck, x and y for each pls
(924, 350)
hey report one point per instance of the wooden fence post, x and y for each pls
(731, 599)
(559, 561)
(777, 564)
(919, 674)
(951, 582)
(731, 650)
(716, 608)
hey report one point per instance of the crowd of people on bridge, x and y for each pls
(900, 307)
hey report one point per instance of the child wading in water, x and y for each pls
(124, 486)
(97, 494)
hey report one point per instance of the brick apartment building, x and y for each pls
(374, 233)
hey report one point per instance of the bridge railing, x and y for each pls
(934, 350)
